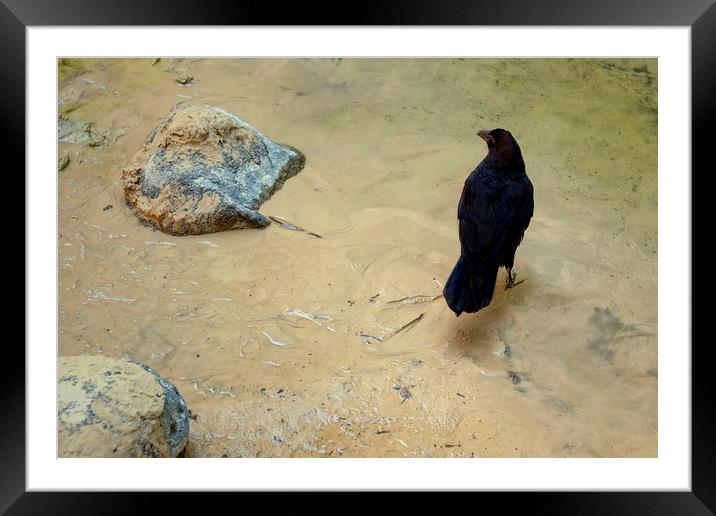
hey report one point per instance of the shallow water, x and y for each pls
(284, 344)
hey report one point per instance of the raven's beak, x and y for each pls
(483, 134)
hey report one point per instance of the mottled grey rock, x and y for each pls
(204, 170)
(118, 408)
(80, 133)
(62, 162)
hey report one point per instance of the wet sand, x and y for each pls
(563, 365)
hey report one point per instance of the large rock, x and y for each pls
(203, 170)
(118, 408)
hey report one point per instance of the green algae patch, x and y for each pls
(68, 68)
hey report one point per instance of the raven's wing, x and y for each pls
(494, 212)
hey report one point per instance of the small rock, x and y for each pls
(514, 377)
(108, 207)
(63, 162)
(71, 131)
(405, 394)
(506, 351)
(118, 408)
(184, 78)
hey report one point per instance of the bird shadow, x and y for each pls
(475, 334)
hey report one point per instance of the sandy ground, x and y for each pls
(564, 365)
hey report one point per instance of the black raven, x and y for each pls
(495, 209)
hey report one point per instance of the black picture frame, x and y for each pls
(700, 15)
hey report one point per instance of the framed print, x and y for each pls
(444, 249)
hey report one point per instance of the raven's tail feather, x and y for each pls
(469, 288)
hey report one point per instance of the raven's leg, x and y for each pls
(511, 272)
(511, 277)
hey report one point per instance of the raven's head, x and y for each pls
(502, 146)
